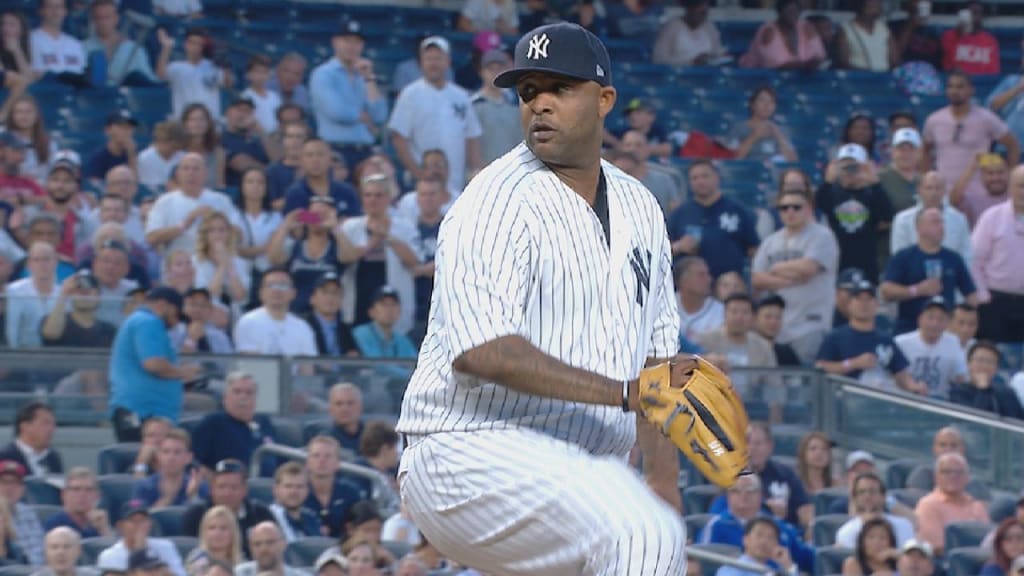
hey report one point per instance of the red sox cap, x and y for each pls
(564, 49)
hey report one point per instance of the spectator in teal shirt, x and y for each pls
(376, 338)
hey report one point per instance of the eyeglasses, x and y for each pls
(788, 207)
(229, 466)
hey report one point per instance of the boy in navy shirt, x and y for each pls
(858, 349)
(714, 227)
(920, 272)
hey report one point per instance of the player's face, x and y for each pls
(563, 117)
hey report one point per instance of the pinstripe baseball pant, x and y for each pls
(519, 503)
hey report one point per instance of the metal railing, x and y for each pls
(381, 493)
(706, 555)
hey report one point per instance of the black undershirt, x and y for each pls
(601, 208)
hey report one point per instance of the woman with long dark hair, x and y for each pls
(1008, 545)
(23, 118)
(876, 552)
(201, 137)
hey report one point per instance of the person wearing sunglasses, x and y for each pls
(799, 262)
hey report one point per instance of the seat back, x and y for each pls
(305, 551)
(829, 560)
(39, 491)
(824, 528)
(966, 534)
(115, 490)
(966, 561)
(825, 499)
(117, 458)
(698, 499)
(91, 548)
(167, 522)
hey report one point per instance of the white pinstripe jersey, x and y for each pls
(522, 253)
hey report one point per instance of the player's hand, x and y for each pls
(929, 287)
(683, 366)
(865, 361)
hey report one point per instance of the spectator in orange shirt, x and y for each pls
(969, 47)
(949, 502)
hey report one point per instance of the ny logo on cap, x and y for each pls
(538, 47)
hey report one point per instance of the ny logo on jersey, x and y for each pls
(883, 352)
(642, 271)
(538, 47)
(729, 222)
(459, 110)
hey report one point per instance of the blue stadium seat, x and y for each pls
(697, 499)
(117, 458)
(305, 551)
(115, 490)
(823, 528)
(91, 548)
(907, 496)
(167, 521)
(46, 511)
(184, 544)
(18, 570)
(1002, 507)
(824, 499)
(829, 560)
(289, 430)
(966, 534)
(313, 427)
(39, 491)
(967, 561)
(261, 489)
(897, 471)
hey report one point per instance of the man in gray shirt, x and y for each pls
(662, 181)
(799, 263)
(497, 109)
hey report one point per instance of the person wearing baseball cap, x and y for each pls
(146, 378)
(120, 148)
(497, 108)
(245, 143)
(135, 550)
(859, 348)
(342, 90)
(917, 558)
(378, 338)
(857, 208)
(935, 355)
(902, 176)
(333, 335)
(432, 112)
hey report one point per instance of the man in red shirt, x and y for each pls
(969, 47)
(14, 188)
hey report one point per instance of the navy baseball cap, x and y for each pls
(849, 277)
(327, 278)
(121, 117)
(167, 294)
(133, 506)
(385, 292)
(935, 302)
(349, 27)
(564, 49)
(862, 287)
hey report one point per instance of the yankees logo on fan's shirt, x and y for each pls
(522, 253)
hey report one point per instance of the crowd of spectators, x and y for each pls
(289, 209)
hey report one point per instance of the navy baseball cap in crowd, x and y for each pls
(167, 294)
(121, 117)
(11, 140)
(849, 277)
(770, 299)
(145, 559)
(862, 287)
(564, 49)
(85, 279)
(349, 27)
(936, 302)
(386, 292)
(133, 506)
(327, 278)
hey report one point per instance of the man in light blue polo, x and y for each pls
(145, 378)
(348, 104)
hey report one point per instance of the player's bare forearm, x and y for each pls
(660, 463)
(515, 363)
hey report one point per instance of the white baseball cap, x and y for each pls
(906, 136)
(920, 546)
(858, 456)
(854, 152)
(436, 42)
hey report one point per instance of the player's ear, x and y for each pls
(606, 100)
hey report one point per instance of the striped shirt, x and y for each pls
(521, 253)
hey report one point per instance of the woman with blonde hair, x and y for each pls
(218, 266)
(220, 540)
(814, 462)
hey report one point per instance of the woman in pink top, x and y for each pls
(787, 43)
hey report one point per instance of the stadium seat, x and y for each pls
(823, 528)
(184, 544)
(91, 548)
(18, 570)
(1002, 507)
(695, 524)
(313, 427)
(289, 430)
(897, 472)
(191, 423)
(115, 490)
(396, 548)
(966, 534)
(305, 551)
(698, 499)
(966, 561)
(824, 499)
(46, 511)
(709, 566)
(117, 458)
(167, 521)
(39, 491)
(262, 489)
(907, 496)
(829, 560)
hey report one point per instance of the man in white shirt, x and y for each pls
(194, 79)
(30, 299)
(434, 113)
(698, 311)
(134, 526)
(935, 356)
(434, 165)
(799, 262)
(158, 159)
(267, 545)
(931, 193)
(52, 50)
(868, 494)
(272, 329)
(174, 220)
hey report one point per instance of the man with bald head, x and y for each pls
(267, 545)
(62, 547)
(998, 266)
(931, 193)
(122, 184)
(946, 440)
(345, 405)
(948, 502)
(925, 271)
(175, 217)
(30, 299)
